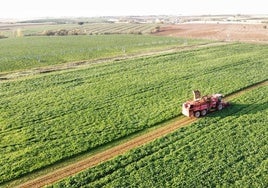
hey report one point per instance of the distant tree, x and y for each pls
(62, 32)
(2, 36)
(48, 33)
(80, 23)
(156, 29)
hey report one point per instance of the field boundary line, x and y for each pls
(8, 76)
(112, 152)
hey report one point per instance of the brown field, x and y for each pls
(223, 32)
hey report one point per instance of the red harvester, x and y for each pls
(200, 106)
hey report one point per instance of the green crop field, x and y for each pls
(48, 118)
(75, 29)
(32, 52)
(225, 149)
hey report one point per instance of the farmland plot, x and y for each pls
(227, 148)
(14, 30)
(32, 52)
(48, 118)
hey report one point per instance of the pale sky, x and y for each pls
(87, 8)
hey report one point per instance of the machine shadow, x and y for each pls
(238, 109)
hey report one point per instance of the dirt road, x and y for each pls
(106, 155)
(122, 148)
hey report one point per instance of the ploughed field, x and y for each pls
(48, 118)
(223, 31)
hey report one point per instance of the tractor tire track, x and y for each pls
(106, 155)
(122, 148)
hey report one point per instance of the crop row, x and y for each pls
(85, 29)
(119, 28)
(31, 52)
(227, 148)
(51, 117)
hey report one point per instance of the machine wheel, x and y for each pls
(203, 112)
(197, 114)
(219, 107)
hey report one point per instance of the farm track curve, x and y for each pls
(122, 148)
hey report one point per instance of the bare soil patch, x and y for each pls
(223, 32)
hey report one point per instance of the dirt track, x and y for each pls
(106, 155)
(120, 149)
(224, 32)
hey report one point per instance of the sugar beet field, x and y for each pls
(33, 52)
(226, 150)
(48, 118)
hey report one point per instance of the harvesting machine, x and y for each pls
(200, 106)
